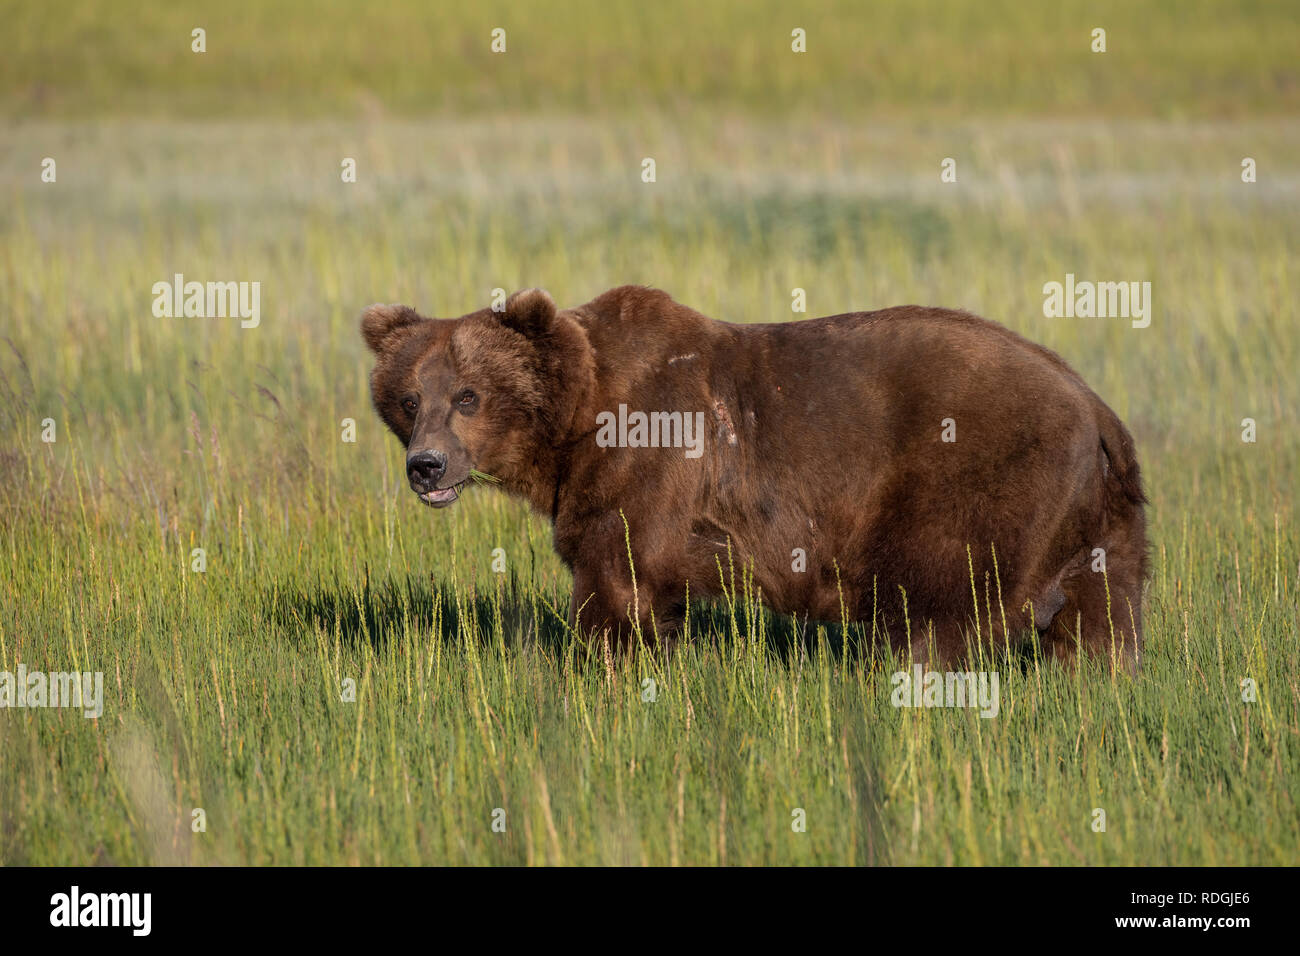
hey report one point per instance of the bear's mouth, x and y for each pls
(441, 497)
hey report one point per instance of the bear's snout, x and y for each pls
(425, 469)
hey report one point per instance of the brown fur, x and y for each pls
(823, 435)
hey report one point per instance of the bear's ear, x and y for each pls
(380, 321)
(530, 312)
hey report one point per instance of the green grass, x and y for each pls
(223, 687)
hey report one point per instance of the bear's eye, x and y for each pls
(410, 405)
(466, 398)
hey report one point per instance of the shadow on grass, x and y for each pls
(379, 612)
(520, 616)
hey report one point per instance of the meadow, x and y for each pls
(224, 688)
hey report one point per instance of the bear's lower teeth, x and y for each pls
(438, 495)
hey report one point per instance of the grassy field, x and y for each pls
(223, 687)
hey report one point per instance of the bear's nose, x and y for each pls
(425, 469)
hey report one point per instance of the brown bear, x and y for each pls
(924, 471)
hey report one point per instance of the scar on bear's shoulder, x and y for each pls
(724, 420)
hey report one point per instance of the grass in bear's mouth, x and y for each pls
(439, 496)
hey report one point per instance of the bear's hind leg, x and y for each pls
(1102, 615)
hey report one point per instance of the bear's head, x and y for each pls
(482, 393)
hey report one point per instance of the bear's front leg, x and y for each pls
(606, 601)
